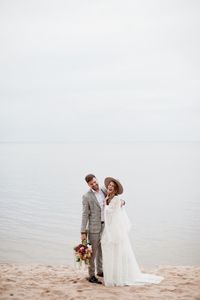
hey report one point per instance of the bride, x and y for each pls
(119, 264)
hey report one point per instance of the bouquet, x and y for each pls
(83, 252)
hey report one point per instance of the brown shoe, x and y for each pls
(100, 274)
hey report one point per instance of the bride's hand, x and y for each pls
(107, 197)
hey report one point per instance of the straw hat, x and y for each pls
(119, 185)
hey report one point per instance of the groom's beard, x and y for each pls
(96, 188)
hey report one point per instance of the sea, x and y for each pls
(41, 188)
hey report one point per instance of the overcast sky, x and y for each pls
(99, 71)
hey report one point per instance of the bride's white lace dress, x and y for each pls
(119, 264)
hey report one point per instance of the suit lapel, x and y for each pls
(94, 198)
(104, 191)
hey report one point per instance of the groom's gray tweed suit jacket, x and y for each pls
(91, 213)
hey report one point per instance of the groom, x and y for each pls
(93, 224)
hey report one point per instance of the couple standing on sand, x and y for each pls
(106, 223)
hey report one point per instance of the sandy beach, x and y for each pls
(67, 283)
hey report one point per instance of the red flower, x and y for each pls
(83, 252)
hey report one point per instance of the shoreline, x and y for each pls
(36, 281)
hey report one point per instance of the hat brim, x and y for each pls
(119, 185)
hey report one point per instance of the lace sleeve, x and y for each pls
(114, 227)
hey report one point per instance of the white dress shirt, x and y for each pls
(100, 197)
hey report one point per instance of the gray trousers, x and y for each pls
(95, 240)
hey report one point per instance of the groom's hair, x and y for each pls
(89, 177)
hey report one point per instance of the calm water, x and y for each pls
(41, 186)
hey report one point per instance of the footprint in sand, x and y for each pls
(58, 293)
(74, 281)
(10, 280)
(168, 289)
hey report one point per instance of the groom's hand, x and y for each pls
(122, 202)
(83, 236)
